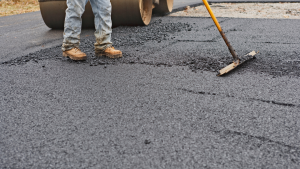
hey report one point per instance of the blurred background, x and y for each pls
(13, 7)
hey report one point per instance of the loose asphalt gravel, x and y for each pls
(161, 105)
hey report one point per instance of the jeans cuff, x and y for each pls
(103, 48)
(68, 47)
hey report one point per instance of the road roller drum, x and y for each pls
(124, 12)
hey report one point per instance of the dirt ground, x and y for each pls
(14, 7)
(246, 10)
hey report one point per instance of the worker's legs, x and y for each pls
(72, 28)
(103, 23)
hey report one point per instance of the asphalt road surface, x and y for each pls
(161, 105)
(27, 33)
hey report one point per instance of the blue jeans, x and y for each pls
(73, 22)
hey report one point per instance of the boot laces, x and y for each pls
(77, 50)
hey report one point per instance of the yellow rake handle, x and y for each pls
(212, 15)
(232, 51)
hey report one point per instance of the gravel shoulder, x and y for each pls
(245, 10)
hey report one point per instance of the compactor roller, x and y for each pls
(124, 12)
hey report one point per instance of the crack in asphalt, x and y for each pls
(196, 41)
(276, 43)
(251, 99)
(248, 139)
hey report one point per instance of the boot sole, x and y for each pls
(74, 58)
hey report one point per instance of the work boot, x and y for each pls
(75, 54)
(110, 52)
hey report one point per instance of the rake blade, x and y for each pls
(233, 65)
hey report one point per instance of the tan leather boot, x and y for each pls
(75, 54)
(110, 52)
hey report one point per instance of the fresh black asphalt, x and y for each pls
(161, 105)
(27, 33)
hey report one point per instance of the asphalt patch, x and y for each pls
(170, 41)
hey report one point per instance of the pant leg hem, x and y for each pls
(103, 48)
(68, 48)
